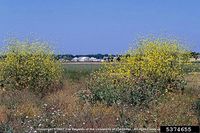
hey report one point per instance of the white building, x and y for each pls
(93, 59)
(75, 59)
(83, 59)
(86, 59)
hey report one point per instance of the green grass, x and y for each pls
(76, 72)
(194, 67)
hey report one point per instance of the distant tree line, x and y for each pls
(100, 56)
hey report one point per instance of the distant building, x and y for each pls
(83, 59)
(75, 59)
(93, 59)
(63, 60)
(87, 59)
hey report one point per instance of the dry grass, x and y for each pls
(176, 109)
(64, 99)
(193, 84)
(102, 116)
(28, 109)
(171, 109)
(3, 114)
(78, 113)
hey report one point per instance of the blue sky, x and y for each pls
(99, 26)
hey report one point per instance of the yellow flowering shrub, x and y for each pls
(153, 68)
(30, 65)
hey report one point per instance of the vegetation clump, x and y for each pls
(29, 65)
(152, 69)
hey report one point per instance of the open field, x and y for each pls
(76, 71)
(82, 66)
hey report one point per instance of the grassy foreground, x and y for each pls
(22, 111)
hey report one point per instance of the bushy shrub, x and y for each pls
(153, 68)
(29, 65)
